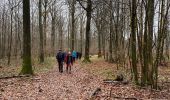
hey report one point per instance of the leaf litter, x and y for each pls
(79, 85)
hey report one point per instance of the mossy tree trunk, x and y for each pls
(88, 23)
(27, 66)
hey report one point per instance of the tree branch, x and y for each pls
(81, 5)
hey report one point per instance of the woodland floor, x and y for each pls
(79, 85)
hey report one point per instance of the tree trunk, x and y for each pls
(133, 41)
(160, 39)
(150, 39)
(99, 28)
(3, 34)
(88, 23)
(73, 25)
(53, 35)
(45, 26)
(81, 34)
(111, 35)
(41, 33)
(10, 38)
(27, 66)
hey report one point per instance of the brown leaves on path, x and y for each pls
(79, 85)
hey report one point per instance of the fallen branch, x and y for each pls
(125, 98)
(95, 93)
(15, 76)
(114, 81)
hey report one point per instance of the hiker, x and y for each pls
(79, 55)
(74, 55)
(60, 59)
(65, 54)
(69, 62)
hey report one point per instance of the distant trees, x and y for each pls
(53, 13)
(130, 33)
(11, 31)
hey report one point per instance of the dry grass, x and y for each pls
(15, 67)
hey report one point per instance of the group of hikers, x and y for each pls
(68, 58)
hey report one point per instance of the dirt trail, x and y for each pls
(79, 85)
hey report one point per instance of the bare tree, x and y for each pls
(41, 33)
(27, 66)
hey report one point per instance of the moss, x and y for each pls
(48, 64)
(27, 66)
(87, 60)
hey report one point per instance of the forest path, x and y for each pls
(79, 85)
(52, 85)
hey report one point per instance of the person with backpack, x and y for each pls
(69, 62)
(79, 55)
(60, 59)
(74, 55)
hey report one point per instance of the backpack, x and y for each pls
(60, 56)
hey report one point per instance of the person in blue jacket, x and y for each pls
(74, 55)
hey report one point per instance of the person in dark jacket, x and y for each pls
(60, 59)
(79, 55)
(69, 62)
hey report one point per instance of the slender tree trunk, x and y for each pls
(99, 28)
(53, 35)
(3, 33)
(61, 36)
(10, 38)
(99, 45)
(111, 35)
(41, 33)
(160, 39)
(73, 25)
(81, 34)
(45, 26)
(145, 48)
(16, 35)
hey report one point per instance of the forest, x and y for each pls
(124, 46)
